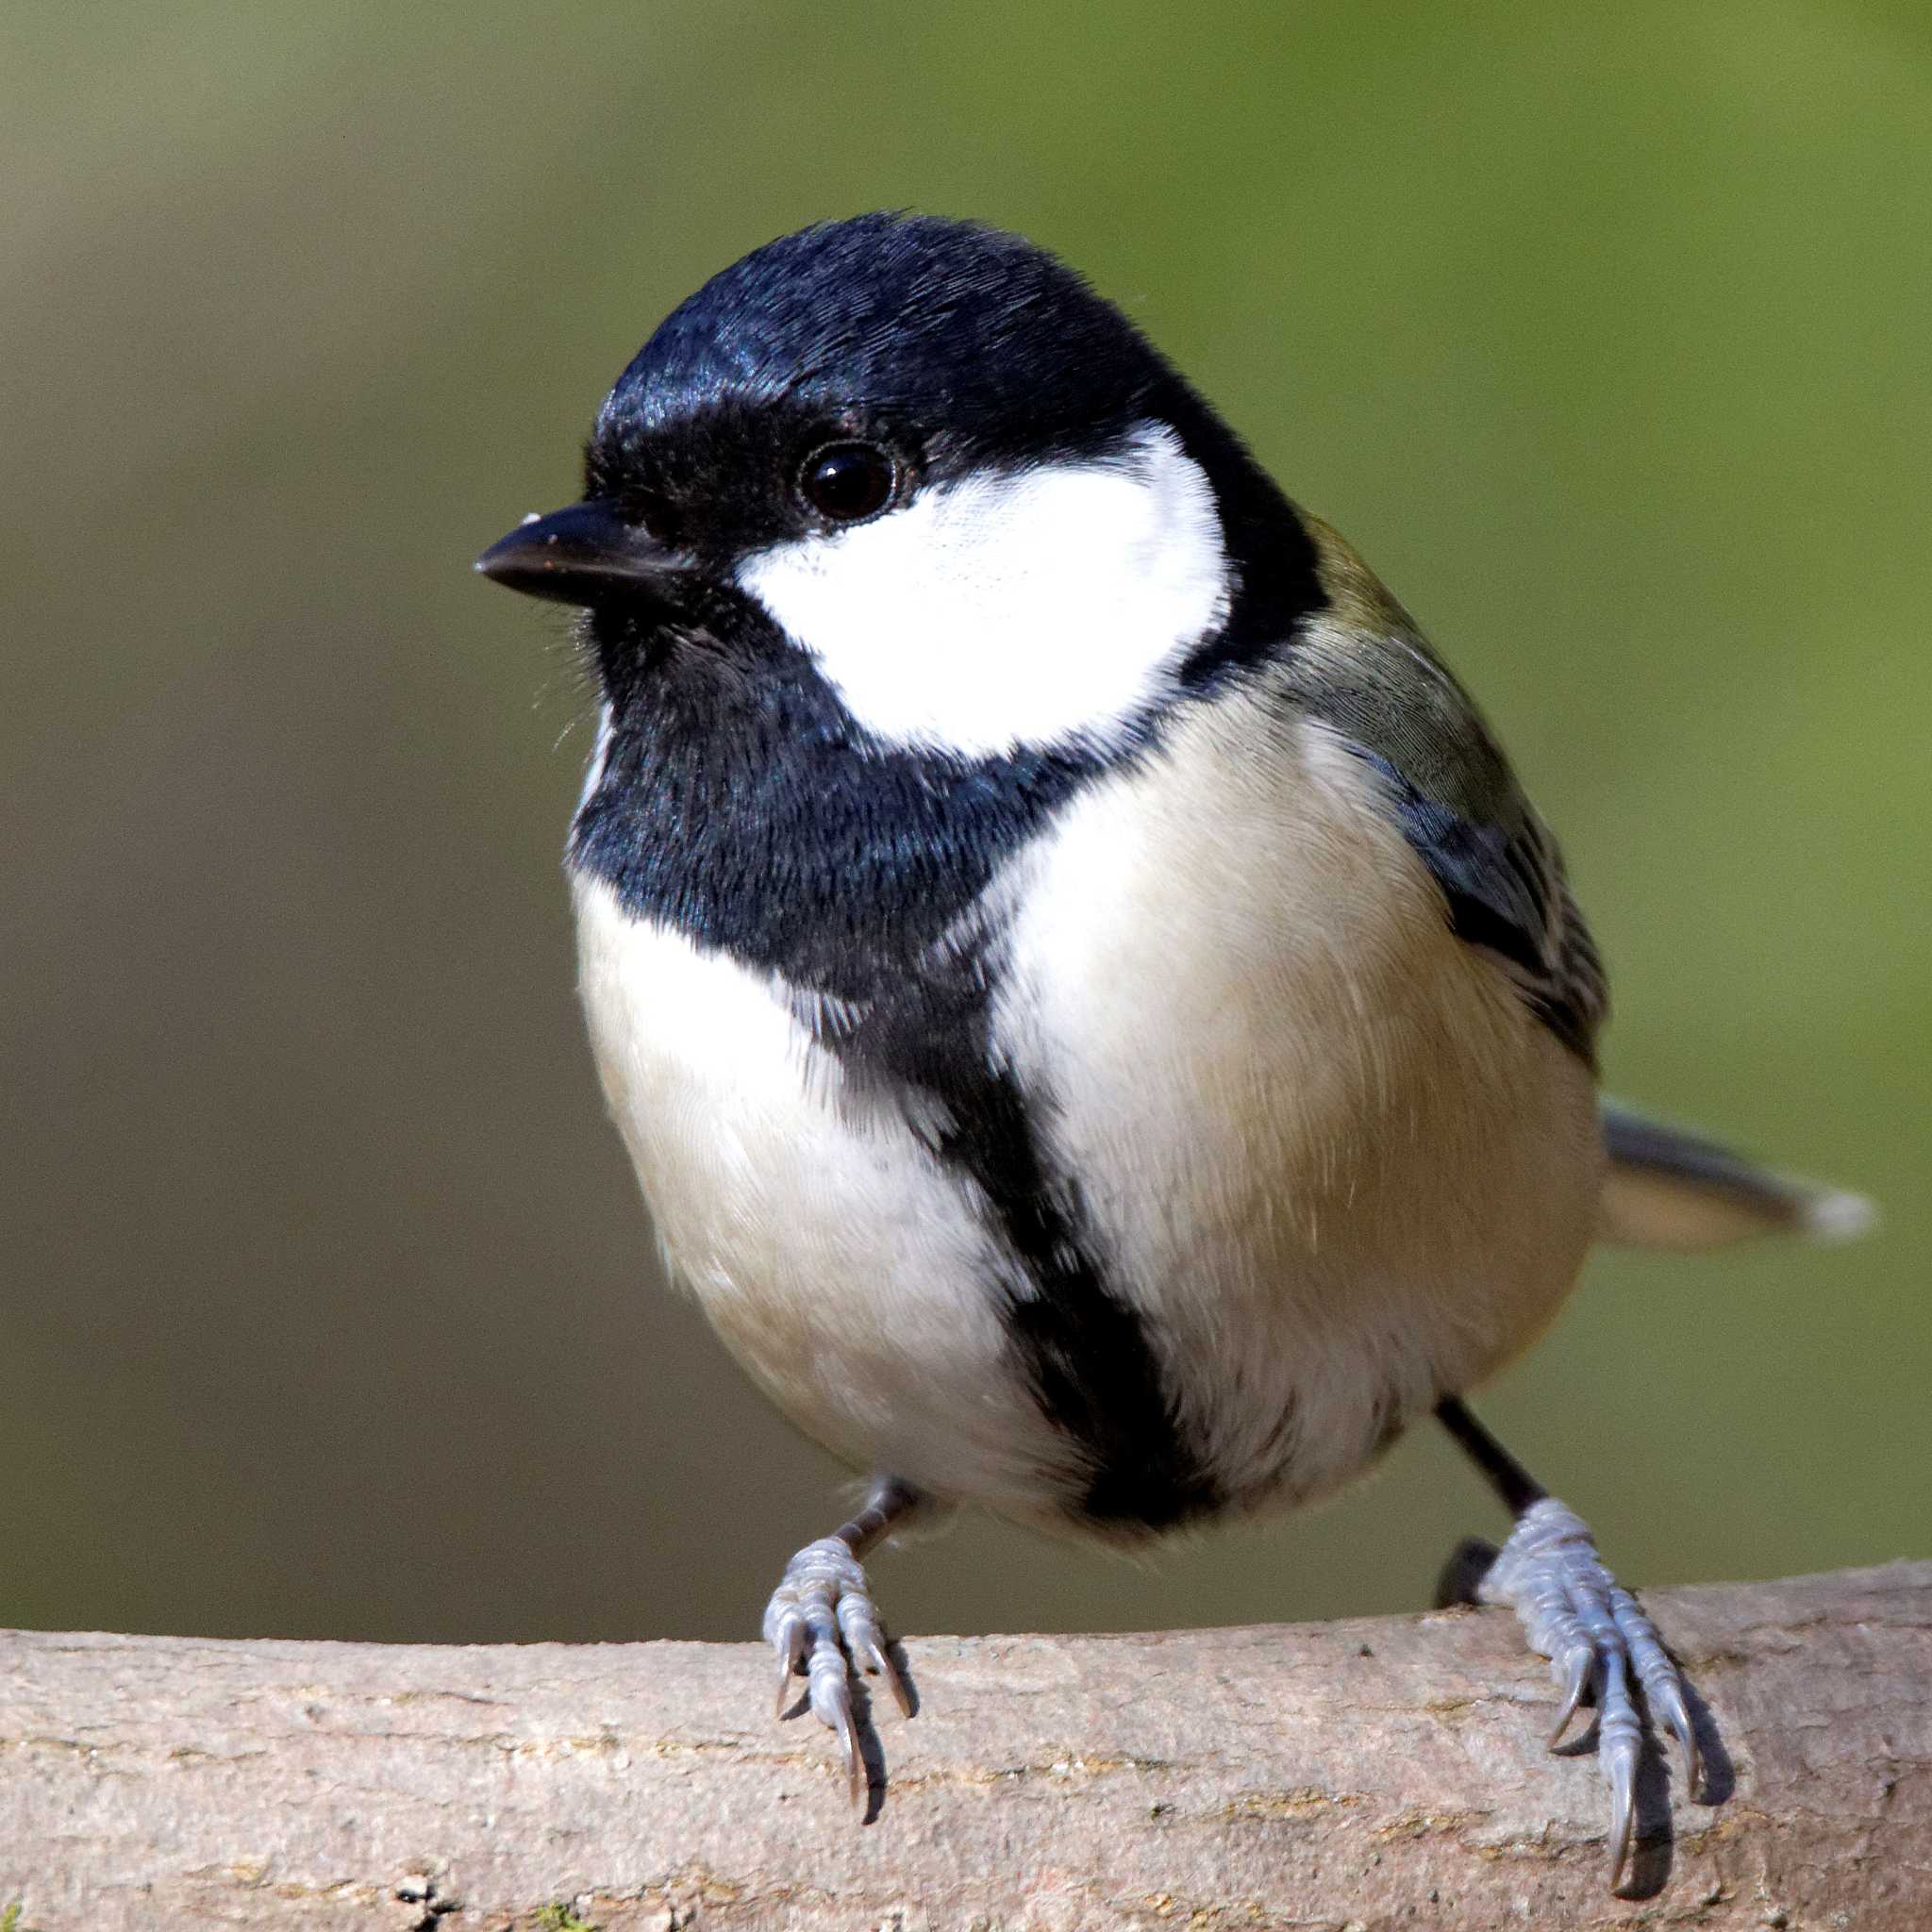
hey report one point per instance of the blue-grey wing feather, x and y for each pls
(1364, 669)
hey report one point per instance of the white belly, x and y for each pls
(1320, 1140)
(843, 1268)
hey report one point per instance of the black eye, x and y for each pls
(846, 481)
(660, 517)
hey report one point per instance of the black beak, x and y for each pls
(580, 555)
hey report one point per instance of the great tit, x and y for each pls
(1098, 1025)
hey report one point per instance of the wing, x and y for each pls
(1365, 670)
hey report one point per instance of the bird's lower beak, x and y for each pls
(582, 555)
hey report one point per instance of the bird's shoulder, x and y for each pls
(1360, 665)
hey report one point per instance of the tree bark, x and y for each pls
(1367, 1774)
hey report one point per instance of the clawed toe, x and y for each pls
(1596, 1637)
(822, 1621)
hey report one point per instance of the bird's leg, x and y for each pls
(1576, 1615)
(822, 1616)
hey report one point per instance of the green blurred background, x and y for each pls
(329, 1309)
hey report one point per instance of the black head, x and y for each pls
(867, 373)
(948, 346)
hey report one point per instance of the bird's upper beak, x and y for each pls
(579, 554)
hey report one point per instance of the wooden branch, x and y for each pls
(1357, 1774)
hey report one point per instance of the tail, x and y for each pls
(1667, 1188)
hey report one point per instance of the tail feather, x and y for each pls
(1670, 1188)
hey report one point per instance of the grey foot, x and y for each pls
(1576, 1615)
(820, 1619)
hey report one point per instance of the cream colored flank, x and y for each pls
(1340, 1164)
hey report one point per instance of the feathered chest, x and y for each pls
(1210, 1157)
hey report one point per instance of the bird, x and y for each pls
(1100, 1031)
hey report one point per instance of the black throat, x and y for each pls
(740, 804)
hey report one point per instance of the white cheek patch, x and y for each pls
(1027, 608)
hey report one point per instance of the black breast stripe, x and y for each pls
(1083, 1348)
